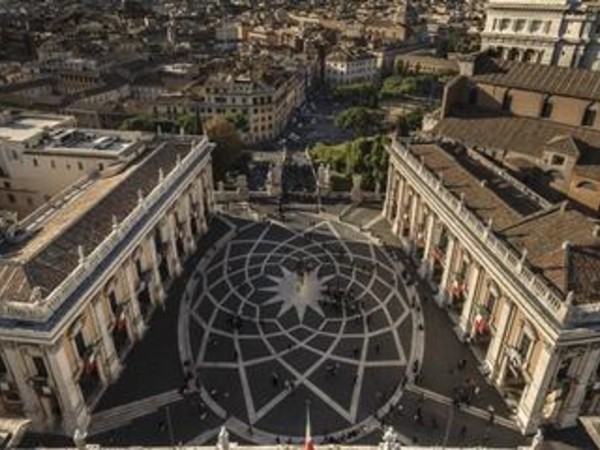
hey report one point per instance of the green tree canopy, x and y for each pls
(138, 123)
(229, 145)
(361, 94)
(363, 120)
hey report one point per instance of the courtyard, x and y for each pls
(270, 317)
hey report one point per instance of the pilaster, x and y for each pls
(530, 408)
(136, 314)
(74, 410)
(20, 376)
(493, 353)
(473, 284)
(442, 295)
(572, 407)
(112, 359)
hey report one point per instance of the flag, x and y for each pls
(308, 442)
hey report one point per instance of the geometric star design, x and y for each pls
(298, 291)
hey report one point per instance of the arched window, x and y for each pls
(587, 185)
(589, 117)
(547, 106)
(507, 101)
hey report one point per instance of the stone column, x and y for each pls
(415, 205)
(572, 406)
(20, 376)
(202, 212)
(136, 314)
(112, 359)
(187, 210)
(399, 205)
(390, 192)
(177, 269)
(74, 410)
(426, 262)
(442, 295)
(493, 353)
(530, 408)
(473, 285)
(158, 287)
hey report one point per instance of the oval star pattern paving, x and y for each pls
(279, 316)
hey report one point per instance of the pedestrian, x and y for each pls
(492, 416)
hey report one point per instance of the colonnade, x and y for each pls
(526, 364)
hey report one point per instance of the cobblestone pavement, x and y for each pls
(279, 317)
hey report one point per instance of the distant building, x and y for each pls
(263, 101)
(555, 32)
(350, 66)
(82, 272)
(517, 275)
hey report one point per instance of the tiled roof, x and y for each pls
(567, 267)
(523, 135)
(482, 200)
(555, 80)
(48, 268)
(523, 225)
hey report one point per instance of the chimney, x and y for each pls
(563, 206)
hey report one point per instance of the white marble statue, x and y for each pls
(223, 439)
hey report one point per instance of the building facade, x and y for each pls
(350, 66)
(515, 273)
(539, 122)
(82, 275)
(554, 32)
(262, 103)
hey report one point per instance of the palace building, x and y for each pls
(553, 32)
(519, 276)
(82, 272)
(538, 122)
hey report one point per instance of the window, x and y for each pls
(29, 201)
(547, 108)
(507, 101)
(112, 301)
(40, 367)
(557, 160)
(504, 24)
(3, 369)
(80, 165)
(525, 345)
(52, 164)
(7, 185)
(587, 185)
(589, 117)
(138, 268)
(35, 162)
(519, 25)
(535, 26)
(547, 26)
(11, 198)
(473, 96)
(80, 344)
(100, 167)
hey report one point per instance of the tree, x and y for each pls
(363, 120)
(239, 121)
(138, 123)
(229, 144)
